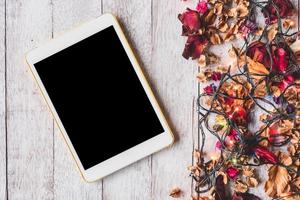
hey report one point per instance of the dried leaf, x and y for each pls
(218, 7)
(239, 186)
(175, 192)
(272, 32)
(251, 181)
(256, 69)
(278, 181)
(289, 23)
(202, 61)
(215, 39)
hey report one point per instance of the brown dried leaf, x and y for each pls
(259, 31)
(248, 171)
(231, 32)
(296, 182)
(223, 27)
(251, 181)
(218, 8)
(272, 32)
(210, 17)
(260, 90)
(215, 39)
(284, 158)
(175, 192)
(242, 10)
(239, 186)
(289, 23)
(202, 61)
(256, 69)
(277, 183)
(233, 52)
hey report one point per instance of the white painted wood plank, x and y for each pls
(68, 184)
(29, 124)
(176, 88)
(2, 103)
(133, 182)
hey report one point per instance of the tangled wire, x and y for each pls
(263, 78)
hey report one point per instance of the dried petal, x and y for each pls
(175, 192)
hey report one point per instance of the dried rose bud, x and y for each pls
(202, 7)
(285, 9)
(210, 89)
(216, 76)
(194, 46)
(232, 172)
(257, 51)
(266, 154)
(191, 21)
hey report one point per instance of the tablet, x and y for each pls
(99, 98)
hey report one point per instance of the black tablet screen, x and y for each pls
(98, 97)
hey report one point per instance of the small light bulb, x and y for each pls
(234, 161)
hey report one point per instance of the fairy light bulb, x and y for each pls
(234, 161)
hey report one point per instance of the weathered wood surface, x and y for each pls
(34, 161)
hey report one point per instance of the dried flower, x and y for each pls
(202, 6)
(175, 192)
(216, 76)
(265, 154)
(191, 21)
(257, 51)
(210, 89)
(285, 8)
(194, 46)
(232, 172)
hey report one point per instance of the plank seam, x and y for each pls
(5, 98)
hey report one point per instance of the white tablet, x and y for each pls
(99, 98)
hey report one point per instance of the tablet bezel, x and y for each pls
(129, 156)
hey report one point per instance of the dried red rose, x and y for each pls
(210, 89)
(285, 9)
(232, 172)
(202, 6)
(257, 51)
(194, 46)
(216, 76)
(265, 154)
(282, 85)
(191, 21)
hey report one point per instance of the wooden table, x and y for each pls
(34, 161)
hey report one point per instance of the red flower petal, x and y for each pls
(232, 172)
(265, 154)
(194, 46)
(191, 21)
(202, 7)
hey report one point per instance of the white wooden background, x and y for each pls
(34, 161)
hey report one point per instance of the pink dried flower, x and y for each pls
(216, 76)
(232, 172)
(191, 21)
(210, 89)
(202, 7)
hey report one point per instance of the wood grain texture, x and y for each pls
(176, 87)
(2, 103)
(29, 124)
(133, 182)
(68, 184)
